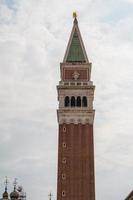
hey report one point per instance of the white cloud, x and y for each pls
(130, 1)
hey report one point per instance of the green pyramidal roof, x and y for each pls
(75, 53)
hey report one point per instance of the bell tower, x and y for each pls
(75, 114)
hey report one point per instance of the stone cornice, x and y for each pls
(75, 87)
(75, 116)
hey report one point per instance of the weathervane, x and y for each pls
(74, 15)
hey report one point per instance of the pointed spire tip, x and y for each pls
(75, 17)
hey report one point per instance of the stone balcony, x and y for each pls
(75, 83)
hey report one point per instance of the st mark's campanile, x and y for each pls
(75, 179)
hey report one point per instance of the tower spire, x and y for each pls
(14, 194)
(5, 194)
(75, 52)
(15, 184)
(6, 183)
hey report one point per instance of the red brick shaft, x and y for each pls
(76, 162)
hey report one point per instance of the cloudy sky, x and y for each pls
(33, 39)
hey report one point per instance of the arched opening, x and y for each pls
(72, 101)
(63, 193)
(84, 101)
(78, 101)
(66, 101)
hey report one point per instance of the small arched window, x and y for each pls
(64, 160)
(73, 101)
(63, 176)
(78, 101)
(67, 101)
(63, 193)
(84, 101)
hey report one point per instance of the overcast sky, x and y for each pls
(33, 39)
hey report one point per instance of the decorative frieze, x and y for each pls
(75, 116)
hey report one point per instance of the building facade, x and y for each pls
(75, 114)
